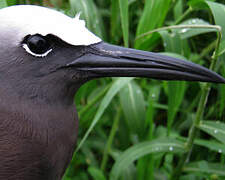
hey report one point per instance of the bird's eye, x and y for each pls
(37, 45)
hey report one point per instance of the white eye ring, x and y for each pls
(33, 54)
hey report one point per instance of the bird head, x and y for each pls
(47, 55)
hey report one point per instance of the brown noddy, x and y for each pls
(45, 57)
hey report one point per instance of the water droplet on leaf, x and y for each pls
(184, 30)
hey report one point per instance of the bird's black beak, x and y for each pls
(105, 60)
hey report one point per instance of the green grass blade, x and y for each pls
(92, 102)
(222, 88)
(123, 4)
(178, 9)
(154, 94)
(133, 104)
(96, 173)
(3, 4)
(176, 89)
(209, 144)
(82, 6)
(218, 11)
(146, 166)
(139, 150)
(115, 88)
(215, 129)
(110, 140)
(205, 167)
(152, 17)
(190, 32)
(172, 42)
(213, 146)
(90, 14)
(11, 2)
(115, 29)
(197, 4)
(175, 97)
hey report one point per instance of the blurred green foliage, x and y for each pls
(141, 126)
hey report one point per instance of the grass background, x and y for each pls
(136, 128)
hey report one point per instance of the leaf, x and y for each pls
(205, 167)
(190, 32)
(96, 173)
(210, 144)
(115, 29)
(139, 150)
(11, 2)
(154, 94)
(56, 3)
(3, 4)
(133, 104)
(178, 9)
(123, 4)
(90, 14)
(213, 146)
(197, 4)
(84, 90)
(215, 129)
(176, 89)
(172, 42)
(151, 19)
(222, 86)
(130, 171)
(218, 11)
(176, 92)
(174, 55)
(115, 88)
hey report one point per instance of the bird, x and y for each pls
(45, 57)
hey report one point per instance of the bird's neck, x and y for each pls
(48, 131)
